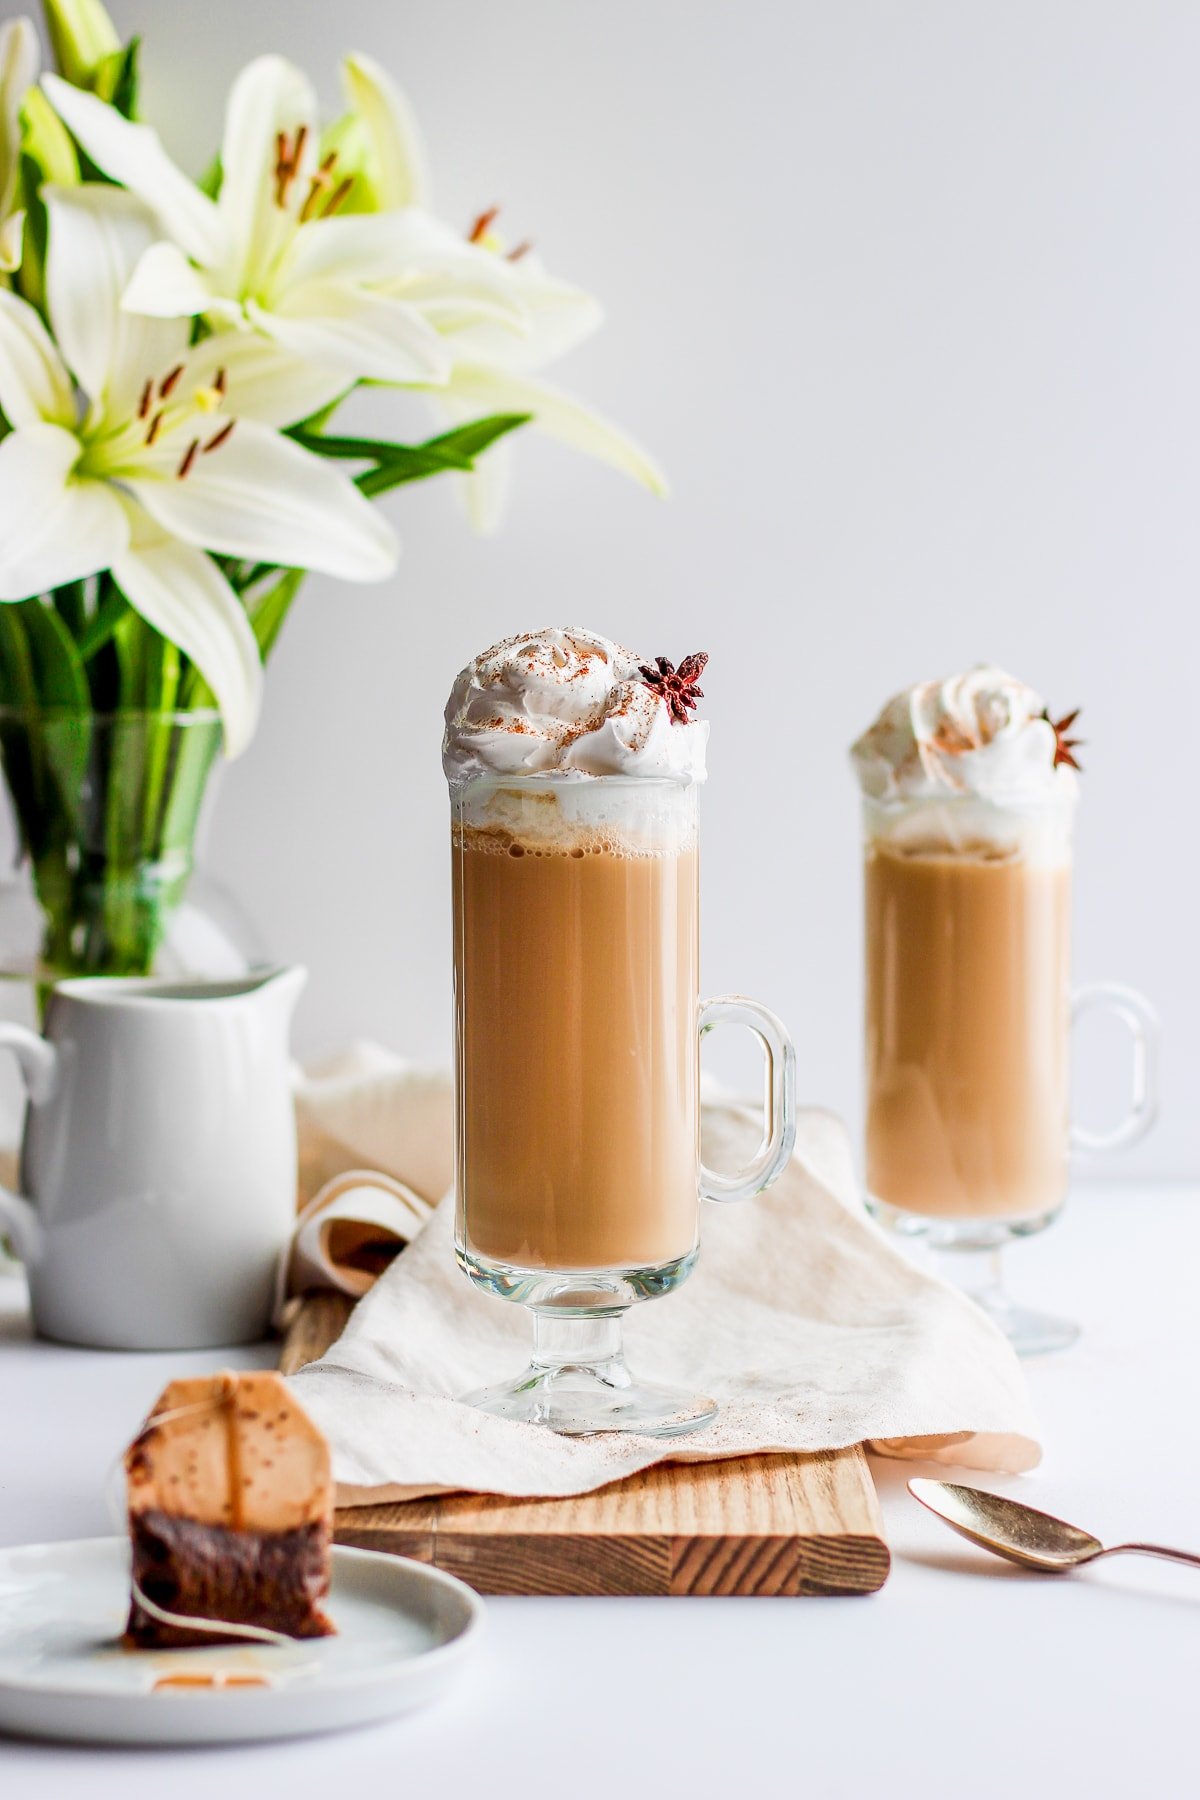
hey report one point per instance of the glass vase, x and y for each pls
(101, 878)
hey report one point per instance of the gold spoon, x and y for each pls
(1021, 1533)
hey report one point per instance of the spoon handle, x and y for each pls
(1179, 1556)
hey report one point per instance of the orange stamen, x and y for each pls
(144, 402)
(338, 195)
(214, 443)
(189, 458)
(287, 161)
(482, 225)
(315, 189)
(282, 172)
(168, 381)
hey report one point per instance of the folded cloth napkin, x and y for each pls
(802, 1319)
(376, 1151)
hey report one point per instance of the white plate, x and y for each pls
(403, 1634)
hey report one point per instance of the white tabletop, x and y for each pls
(962, 1677)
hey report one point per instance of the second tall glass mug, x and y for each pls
(969, 1016)
(577, 1029)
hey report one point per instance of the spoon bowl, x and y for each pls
(1022, 1534)
(1011, 1529)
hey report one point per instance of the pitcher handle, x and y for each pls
(779, 1109)
(35, 1058)
(1140, 1019)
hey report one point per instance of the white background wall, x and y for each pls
(907, 299)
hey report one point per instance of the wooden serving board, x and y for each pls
(760, 1525)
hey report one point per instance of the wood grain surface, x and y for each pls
(761, 1525)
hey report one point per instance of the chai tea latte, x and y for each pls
(576, 952)
(574, 768)
(969, 795)
(968, 1021)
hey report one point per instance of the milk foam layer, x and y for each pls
(564, 702)
(983, 734)
(967, 767)
(561, 818)
(969, 827)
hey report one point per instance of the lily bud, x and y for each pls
(82, 36)
(47, 158)
(46, 142)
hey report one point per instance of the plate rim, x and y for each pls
(269, 1692)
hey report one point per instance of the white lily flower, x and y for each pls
(18, 72)
(171, 455)
(497, 371)
(493, 368)
(269, 255)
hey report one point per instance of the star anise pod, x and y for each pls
(1065, 746)
(677, 686)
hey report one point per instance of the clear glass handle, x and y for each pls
(1136, 1013)
(779, 1105)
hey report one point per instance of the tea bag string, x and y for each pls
(116, 1500)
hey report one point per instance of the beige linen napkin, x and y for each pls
(376, 1154)
(802, 1319)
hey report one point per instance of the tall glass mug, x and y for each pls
(969, 1014)
(577, 1031)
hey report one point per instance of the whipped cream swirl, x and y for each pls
(983, 735)
(563, 701)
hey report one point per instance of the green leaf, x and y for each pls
(396, 463)
(70, 601)
(477, 436)
(45, 750)
(56, 664)
(317, 421)
(116, 78)
(453, 450)
(268, 613)
(355, 449)
(17, 681)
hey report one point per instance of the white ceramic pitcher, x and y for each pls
(158, 1164)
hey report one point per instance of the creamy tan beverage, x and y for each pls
(969, 797)
(576, 982)
(574, 768)
(574, 771)
(969, 793)
(968, 1016)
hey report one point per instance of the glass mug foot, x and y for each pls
(968, 1254)
(578, 1382)
(1030, 1333)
